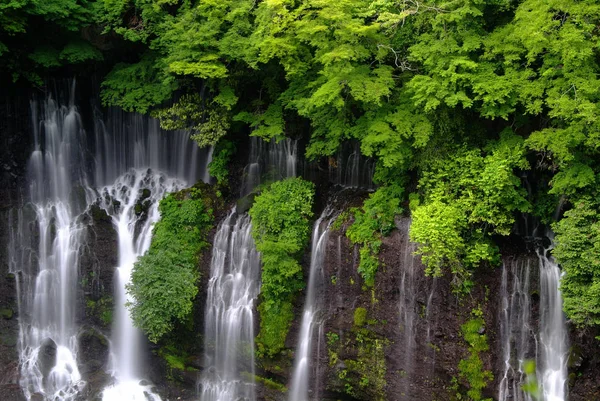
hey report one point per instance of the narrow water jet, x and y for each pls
(269, 161)
(517, 335)
(554, 350)
(304, 362)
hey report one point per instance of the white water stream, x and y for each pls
(546, 345)
(69, 170)
(305, 366)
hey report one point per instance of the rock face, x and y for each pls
(14, 149)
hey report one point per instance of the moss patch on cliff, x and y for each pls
(358, 362)
(281, 230)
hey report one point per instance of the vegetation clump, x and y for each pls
(371, 222)
(281, 230)
(471, 370)
(164, 280)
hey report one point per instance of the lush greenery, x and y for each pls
(281, 230)
(164, 280)
(456, 100)
(578, 249)
(374, 220)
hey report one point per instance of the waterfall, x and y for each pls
(235, 283)
(299, 390)
(269, 161)
(350, 169)
(126, 158)
(548, 347)
(517, 335)
(129, 190)
(229, 332)
(554, 351)
(48, 275)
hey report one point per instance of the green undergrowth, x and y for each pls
(358, 360)
(374, 220)
(472, 374)
(281, 231)
(163, 281)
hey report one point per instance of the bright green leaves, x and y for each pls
(578, 251)
(471, 369)
(137, 87)
(208, 121)
(281, 230)
(371, 222)
(163, 281)
(468, 195)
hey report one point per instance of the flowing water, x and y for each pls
(311, 319)
(126, 158)
(269, 161)
(229, 320)
(235, 283)
(554, 350)
(521, 341)
(48, 275)
(135, 233)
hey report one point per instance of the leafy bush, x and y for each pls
(281, 230)
(163, 281)
(219, 166)
(371, 222)
(467, 196)
(577, 249)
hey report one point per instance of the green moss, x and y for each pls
(360, 317)
(281, 230)
(269, 383)
(362, 377)
(471, 371)
(101, 309)
(6, 313)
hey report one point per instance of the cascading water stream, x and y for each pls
(516, 331)
(48, 278)
(235, 283)
(49, 233)
(299, 390)
(271, 161)
(229, 333)
(520, 342)
(120, 201)
(554, 352)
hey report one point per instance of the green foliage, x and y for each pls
(137, 87)
(219, 166)
(363, 376)
(281, 230)
(577, 249)
(471, 369)
(468, 195)
(163, 281)
(373, 221)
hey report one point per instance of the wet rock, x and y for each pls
(93, 351)
(47, 357)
